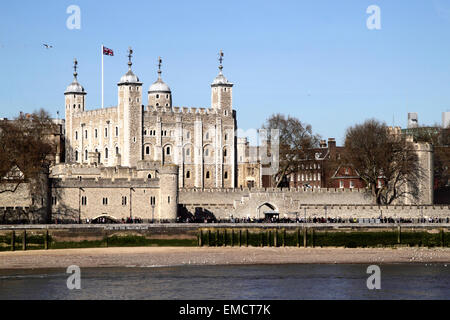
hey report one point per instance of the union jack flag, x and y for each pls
(108, 52)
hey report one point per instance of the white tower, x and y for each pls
(130, 116)
(75, 103)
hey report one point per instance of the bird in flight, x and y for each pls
(47, 46)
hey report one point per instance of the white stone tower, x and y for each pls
(130, 117)
(222, 91)
(75, 103)
(159, 94)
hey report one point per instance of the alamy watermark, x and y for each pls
(374, 20)
(74, 280)
(374, 281)
(74, 20)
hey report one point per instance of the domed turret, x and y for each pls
(129, 77)
(221, 91)
(75, 87)
(159, 93)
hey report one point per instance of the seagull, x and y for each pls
(47, 46)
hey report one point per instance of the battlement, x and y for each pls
(180, 110)
(274, 190)
(95, 112)
(105, 183)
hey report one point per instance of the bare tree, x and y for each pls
(296, 142)
(385, 161)
(25, 149)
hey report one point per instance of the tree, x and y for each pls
(384, 160)
(25, 149)
(296, 142)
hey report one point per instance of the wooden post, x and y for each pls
(217, 237)
(268, 238)
(261, 236)
(240, 237)
(399, 234)
(224, 237)
(106, 239)
(442, 237)
(24, 240)
(200, 238)
(13, 241)
(297, 237)
(46, 240)
(209, 238)
(284, 238)
(275, 238)
(312, 237)
(305, 237)
(232, 237)
(246, 237)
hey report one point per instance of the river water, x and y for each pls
(254, 282)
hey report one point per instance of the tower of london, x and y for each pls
(200, 141)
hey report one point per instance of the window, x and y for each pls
(76, 135)
(225, 152)
(149, 176)
(124, 201)
(188, 135)
(207, 136)
(303, 177)
(188, 152)
(145, 132)
(117, 131)
(152, 201)
(168, 199)
(341, 184)
(167, 96)
(147, 150)
(84, 201)
(168, 151)
(117, 150)
(207, 175)
(96, 133)
(105, 201)
(76, 155)
(188, 174)
(347, 171)
(106, 132)
(85, 155)
(106, 153)
(225, 176)
(226, 136)
(54, 201)
(157, 96)
(206, 152)
(85, 134)
(352, 184)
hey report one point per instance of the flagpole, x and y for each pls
(103, 94)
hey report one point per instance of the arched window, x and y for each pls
(168, 151)
(106, 132)
(207, 136)
(76, 135)
(85, 155)
(224, 152)
(225, 175)
(117, 150)
(76, 155)
(207, 175)
(188, 174)
(106, 153)
(188, 152)
(206, 152)
(149, 176)
(188, 135)
(117, 131)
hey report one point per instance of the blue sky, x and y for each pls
(315, 60)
